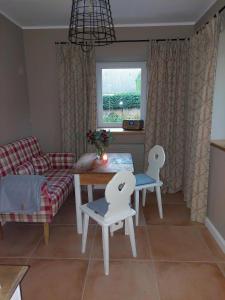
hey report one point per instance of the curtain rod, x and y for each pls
(133, 41)
(215, 15)
(221, 9)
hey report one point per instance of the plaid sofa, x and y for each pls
(19, 157)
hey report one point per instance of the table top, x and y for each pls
(116, 162)
(10, 277)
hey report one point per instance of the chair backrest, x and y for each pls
(156, 160)
(118, 193)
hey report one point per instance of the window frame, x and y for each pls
(119, 65)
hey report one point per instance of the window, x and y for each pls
(121, 93)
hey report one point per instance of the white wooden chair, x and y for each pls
(111, 211)
(150, 179)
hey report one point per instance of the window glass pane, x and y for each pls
(121, 92)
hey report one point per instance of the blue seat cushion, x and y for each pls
(99, 206)
(143, 179)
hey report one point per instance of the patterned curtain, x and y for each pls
(203, 57)
(77, 95)
(165, 114)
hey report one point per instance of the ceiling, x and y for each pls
(56, 13)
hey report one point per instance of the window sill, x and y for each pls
(220, 144)
(121, 131)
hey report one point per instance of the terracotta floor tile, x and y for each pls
(211, 243)
(19, 239)
(190, 281)
(119, 245)
(178, 243)
(64, 243)
(54, 280)
(14, 261)
(174, 214)
(131, 280)
(142, 220)
(189, 264)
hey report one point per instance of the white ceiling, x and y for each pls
(56, 13)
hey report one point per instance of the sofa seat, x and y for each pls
(54, 173)
(60, 185)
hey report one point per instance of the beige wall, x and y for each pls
(14, 105)
(216, 198)
(42, 79)
(218, 120)
(42, 85)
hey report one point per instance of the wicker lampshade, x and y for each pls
(91, 24)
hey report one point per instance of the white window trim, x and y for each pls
(119, 65)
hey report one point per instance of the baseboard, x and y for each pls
(215, 233)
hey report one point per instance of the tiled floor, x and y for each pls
(177, 260)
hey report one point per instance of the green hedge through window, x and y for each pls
(130, 100)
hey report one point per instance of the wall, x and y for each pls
(14, 105)
(138, 51)
(216, 197)
(218, 120)
(42, 77)
(210, 13)
(42, 85)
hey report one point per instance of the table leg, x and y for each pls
(90, 193)
(78, 202)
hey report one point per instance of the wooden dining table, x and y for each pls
(90, 171)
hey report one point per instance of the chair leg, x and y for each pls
(136, 199)
(85, 232)
(105, 243)
(46, 233)
(90, 193)
(159, 200)
(132, 236)
(143, 197)
(111, 231)
(126, 227)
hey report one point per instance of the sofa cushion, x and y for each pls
(41, 164)
(62, 160)
(15, 154)
(99, 206)
(143, 179)
(25, 169)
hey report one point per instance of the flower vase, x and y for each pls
(100, 150)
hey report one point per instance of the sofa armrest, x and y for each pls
(62, 160)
